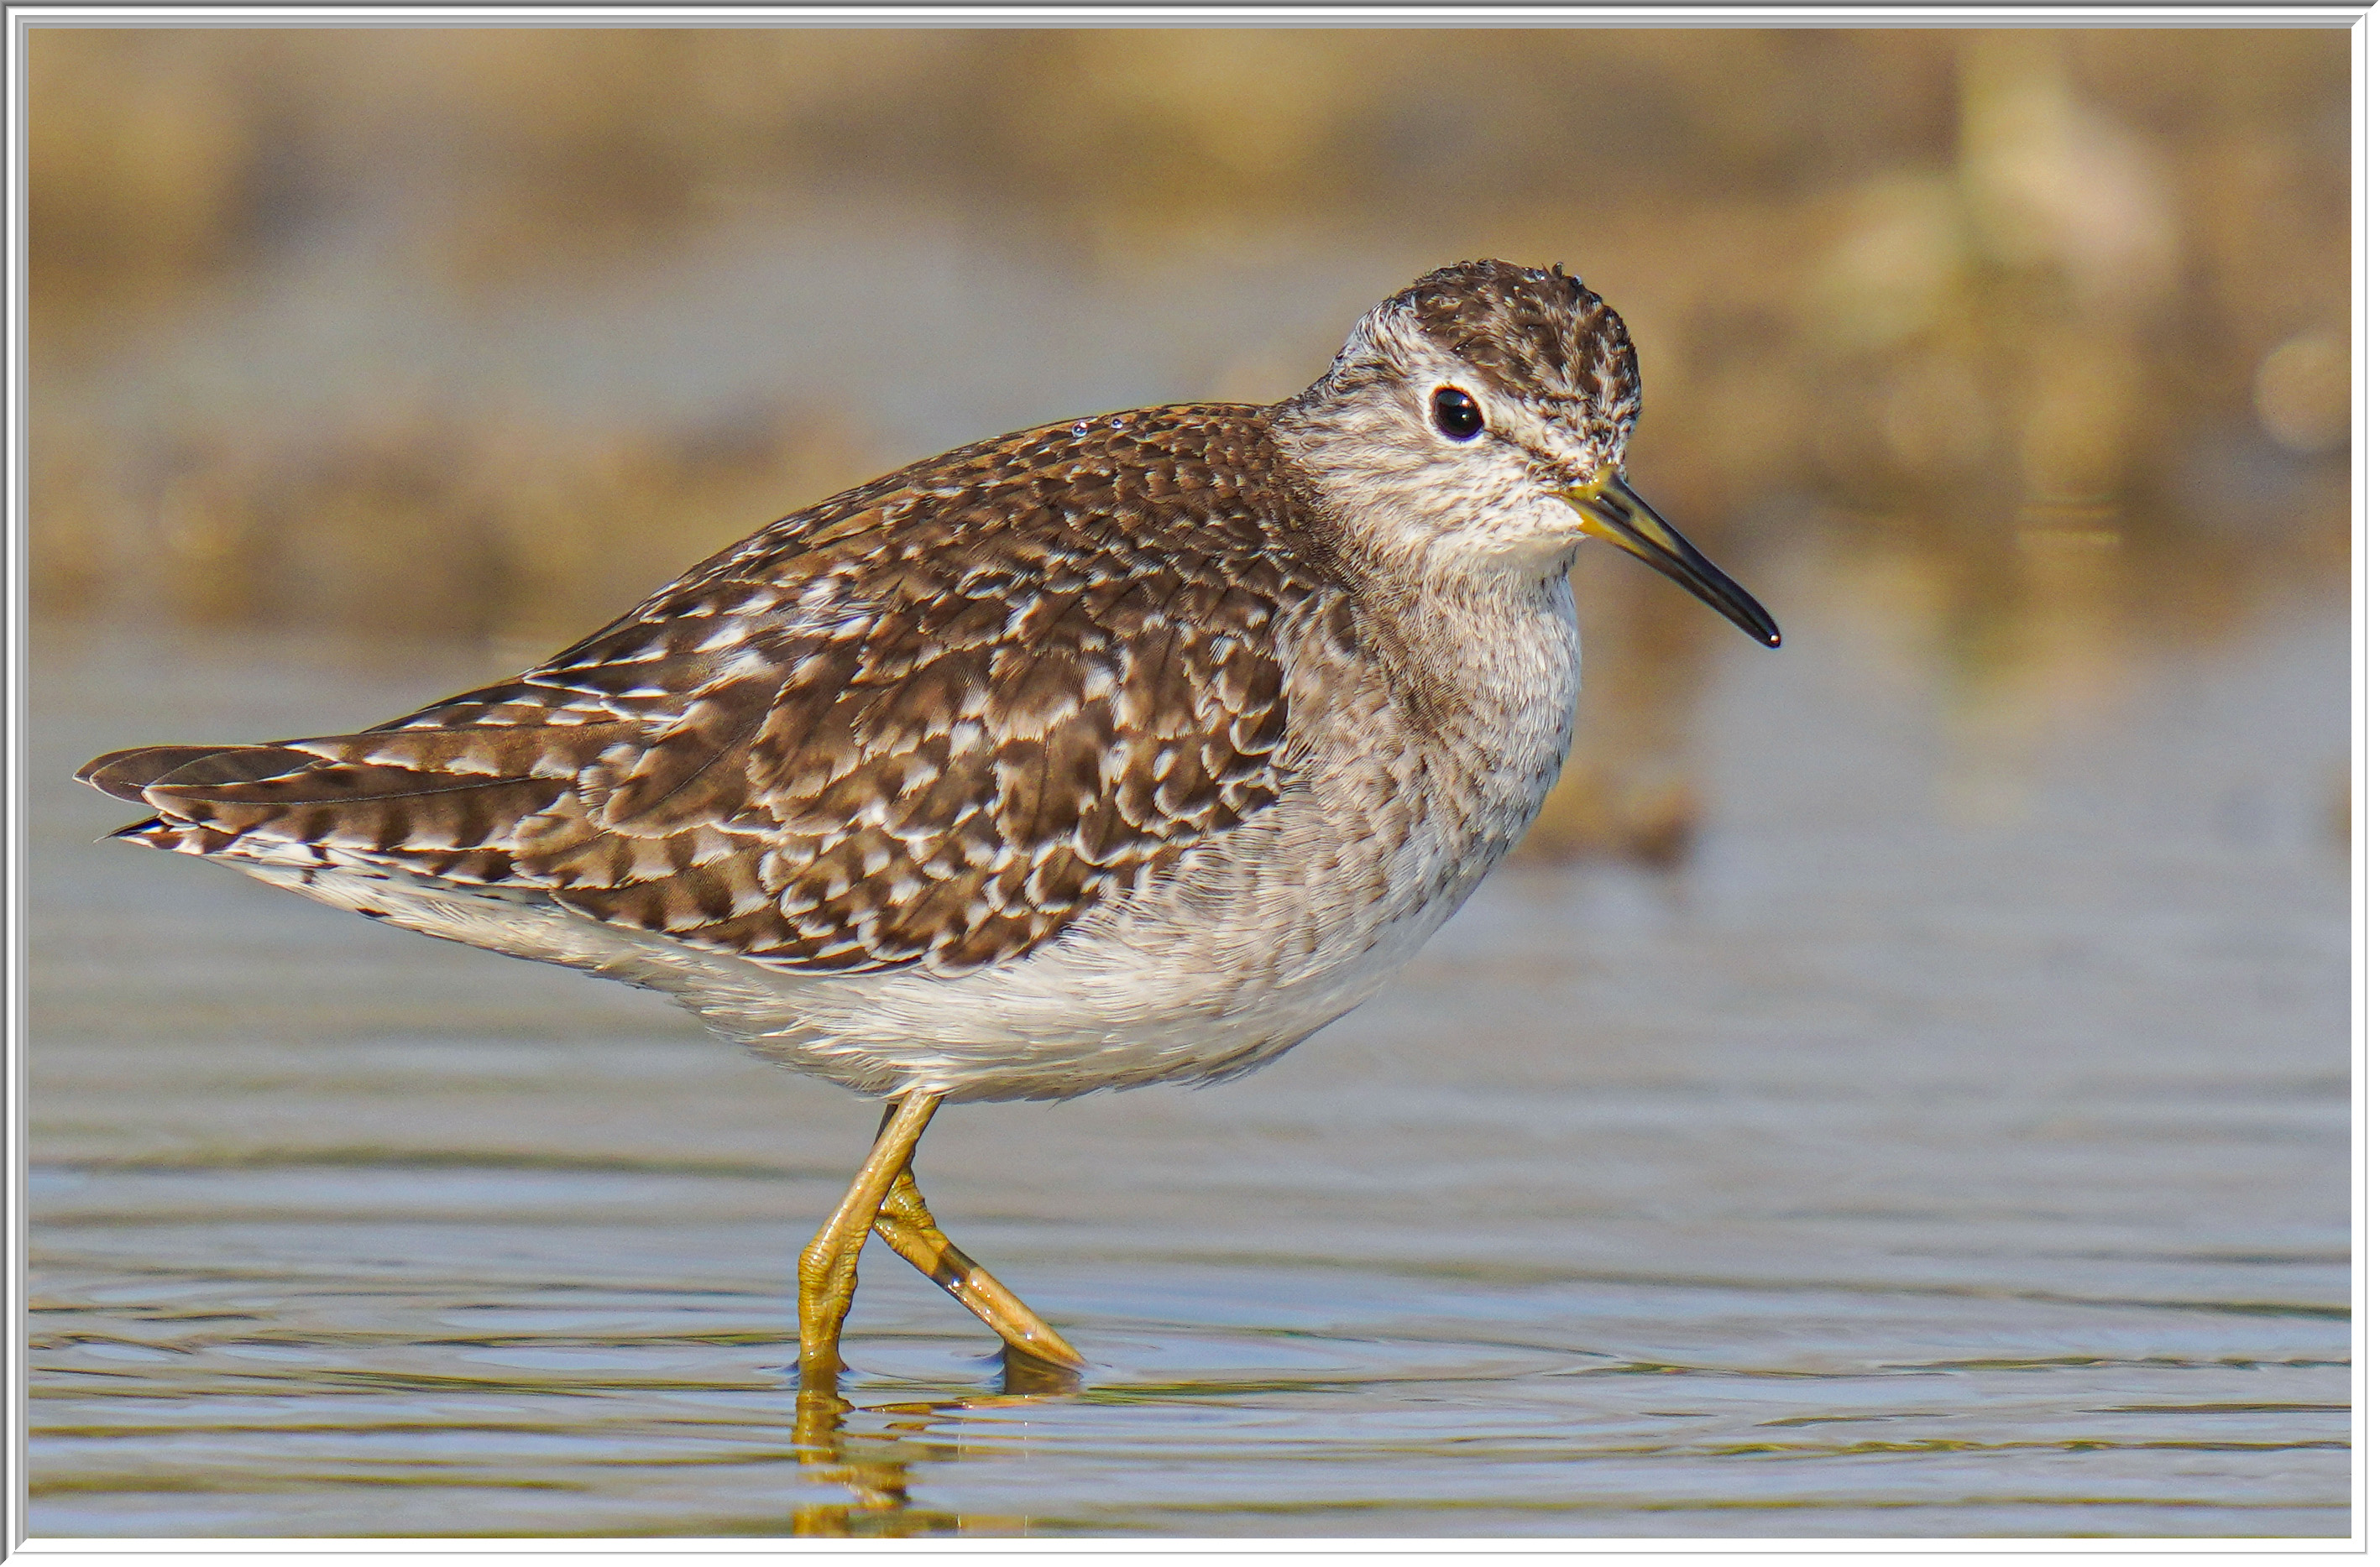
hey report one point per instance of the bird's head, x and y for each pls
(1482, 415)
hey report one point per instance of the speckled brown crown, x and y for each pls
(1538, 331)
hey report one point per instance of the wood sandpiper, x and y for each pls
(1124, 751)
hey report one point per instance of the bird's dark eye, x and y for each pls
(1457, 416)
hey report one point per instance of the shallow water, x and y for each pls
(1958, 1146)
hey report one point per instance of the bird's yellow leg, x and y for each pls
(908, 1226)
(830, 1265)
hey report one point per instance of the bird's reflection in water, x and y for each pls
(872, 1470)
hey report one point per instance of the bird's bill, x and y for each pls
(1612, 511)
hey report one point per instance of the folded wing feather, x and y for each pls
(922, 767)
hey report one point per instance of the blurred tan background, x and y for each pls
(431, 334)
